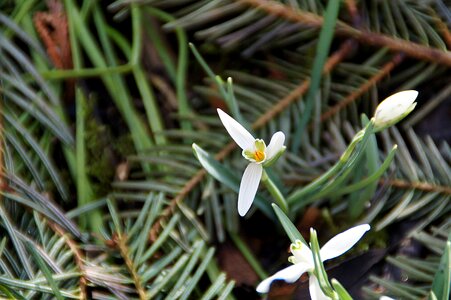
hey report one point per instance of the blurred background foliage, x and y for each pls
(102, 197)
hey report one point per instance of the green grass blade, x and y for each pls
(325, 40)
(442, 278)
(291, 230)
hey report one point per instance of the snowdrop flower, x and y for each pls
(255, 151)
(394, 108)
(302, 260)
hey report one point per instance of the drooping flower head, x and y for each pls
(302, 260)
(257, 153)
(394, 108)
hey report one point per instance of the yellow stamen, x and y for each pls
(259, 156)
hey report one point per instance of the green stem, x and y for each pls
(147, 95)
(85, 194)
(182, 65)
(275, 192)
(248, 255)
(314, 185)
(320, 271)
(92, 72)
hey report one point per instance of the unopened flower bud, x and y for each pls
(394, 108)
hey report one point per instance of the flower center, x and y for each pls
(259, 155)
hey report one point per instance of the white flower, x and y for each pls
(385, 298)
(257, 153)
(303, 260)
(394, 108)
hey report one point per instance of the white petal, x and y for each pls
(248, 187)
(395, 106)
(315, 290)
(289, 274)
(238, 133)
(342, 242)
(404, 98)
(275, 145)
(386, 298)
(303, 254)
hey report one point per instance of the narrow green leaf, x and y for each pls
(325, 39)
(206, 68)
(330, 181)
(291, 230)
(227, 94)
(341, 291)
(373, 177)
(182, 64)
(93, 219)
(372, 165)
(11, 293)
(232, 103)
(442, 278)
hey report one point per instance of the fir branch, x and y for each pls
(376, 78)
(351, 5)
(78, 255)
(121, 242)
(422, 186)
(3, 183)
(302, 88)
(397, 183)
(442, 27)
(371, 38)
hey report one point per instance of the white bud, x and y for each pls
(394, 108)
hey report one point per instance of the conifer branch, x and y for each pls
(375, 39)
(121, 242)
(422, 186)
(78, 256)
(383, 72)
(397, 183)
(302, 88)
